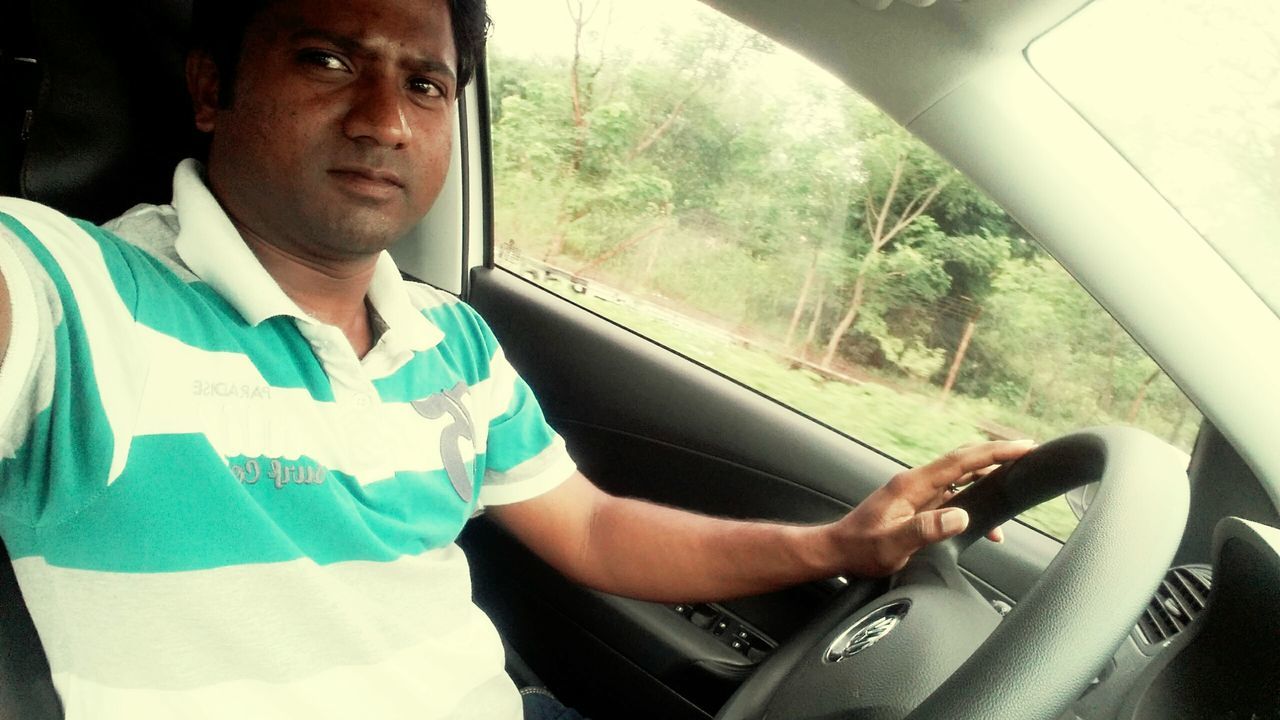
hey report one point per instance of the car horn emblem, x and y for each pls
(866, 632)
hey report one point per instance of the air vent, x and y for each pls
(1180, 599)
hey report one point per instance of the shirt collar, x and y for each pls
(212, 248)
(407, 327)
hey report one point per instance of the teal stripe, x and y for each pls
(195, 314)
(115, 255)
(427, 373)
(519, 434)
(66, 455)
(465, 353)
(178, 507)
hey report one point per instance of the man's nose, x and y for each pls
(377, 113)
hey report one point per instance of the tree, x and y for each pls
(888, 210)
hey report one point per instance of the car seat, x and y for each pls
(93, 104)
(93, 117)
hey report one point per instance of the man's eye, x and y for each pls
(426, 87)
(322, 59)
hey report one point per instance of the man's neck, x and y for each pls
(332, 292)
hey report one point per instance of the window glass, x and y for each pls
(691, 180)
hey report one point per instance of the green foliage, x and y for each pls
(680, 182)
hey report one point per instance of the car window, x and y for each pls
(689, 179)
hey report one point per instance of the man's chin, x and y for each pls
(362, 233)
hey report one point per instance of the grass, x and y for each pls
(911, 426)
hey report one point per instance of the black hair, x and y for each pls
(471, 26)
(218, 28)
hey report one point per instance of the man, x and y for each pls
(238, 449)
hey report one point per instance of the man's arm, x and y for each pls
(646, 551)
(6, 313)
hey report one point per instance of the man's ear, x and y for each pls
(203, 84)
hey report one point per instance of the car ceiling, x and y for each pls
(948, 42)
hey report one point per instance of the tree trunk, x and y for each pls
(846, 322)
(815, 322)
(618, 249)
(648, 140)
(801, 301)
(563, 221)
(579, 91)
(960, 351)
(1108, 399)
(556, 247)
(880, 232)
(646, 278)
(1136, 405)
(1025, 407)
(707, 76)
(579, 96)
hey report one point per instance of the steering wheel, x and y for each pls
(932, 648)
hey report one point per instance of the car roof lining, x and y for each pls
(948, 41)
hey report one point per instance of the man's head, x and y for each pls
(218, 28)
(331, 120)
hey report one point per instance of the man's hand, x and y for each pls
(885, 530)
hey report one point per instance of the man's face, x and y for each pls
(337, 138)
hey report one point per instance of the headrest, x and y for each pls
(110, 116)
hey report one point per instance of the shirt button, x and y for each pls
(362, 401)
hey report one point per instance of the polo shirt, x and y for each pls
(215, 509)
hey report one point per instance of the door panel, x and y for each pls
(587, 371)
(642, 421)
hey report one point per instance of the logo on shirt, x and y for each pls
(460, 428)
(239, 391)
(277, 471)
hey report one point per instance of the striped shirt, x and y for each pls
(215, 509)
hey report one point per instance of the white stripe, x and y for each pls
(553, 467)
(28, 368)
(409, 687)
(119, 367)
(426, 297)
(223, 396)
(274, 623)
(502, 385)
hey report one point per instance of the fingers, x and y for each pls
(973, 458)
(922, 485)
(945, 494)
(927, 528)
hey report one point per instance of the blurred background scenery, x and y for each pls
(690, 180)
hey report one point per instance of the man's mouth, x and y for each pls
(372, 174)
(371, 177)
(369, 182)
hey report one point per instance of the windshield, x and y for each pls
(1189, 92)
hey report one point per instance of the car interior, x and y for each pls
(1164, 603)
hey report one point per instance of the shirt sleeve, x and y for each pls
(524, 456)
(27, 370)
(65, 383)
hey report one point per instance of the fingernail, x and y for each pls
(954, 520)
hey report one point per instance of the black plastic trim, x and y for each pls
(485, 148)
(464, 172)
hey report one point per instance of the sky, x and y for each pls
(543, 28)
